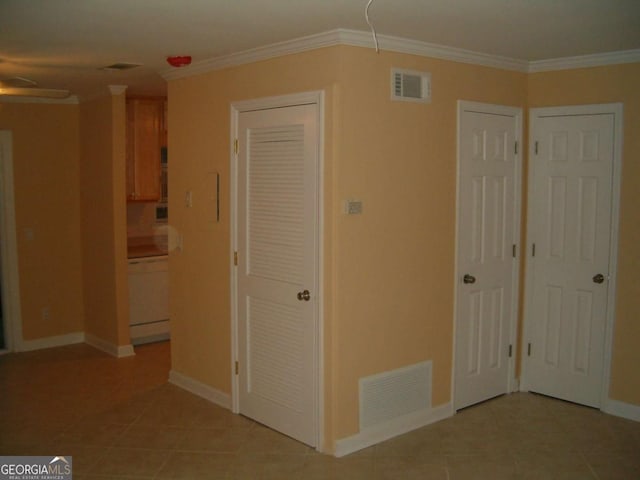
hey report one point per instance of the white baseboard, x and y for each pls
(515, 385)
(50, 342)
(622, 409)
(74, 338)
(117, 351)
(150, 332)
(392, 428)
(202, 390)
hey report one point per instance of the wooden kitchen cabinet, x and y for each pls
(145, 137)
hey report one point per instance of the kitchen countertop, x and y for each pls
(140, 251)
(140, 247)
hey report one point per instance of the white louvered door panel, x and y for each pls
(486, 234)
(276, 203)
(571, 209)
(277, 251)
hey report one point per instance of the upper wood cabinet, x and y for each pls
(146, 134)
(164, 124)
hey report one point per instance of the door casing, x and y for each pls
(616, 109)
(305, 98)
(9, 253)
(515, 112)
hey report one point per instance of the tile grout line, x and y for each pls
(591, 469)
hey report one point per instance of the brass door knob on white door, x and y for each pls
(469, 278)
(599, 278)
(304, 295)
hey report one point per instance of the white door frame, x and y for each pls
(516, 112)
(305, 98)
(9, 251)
(598, 109)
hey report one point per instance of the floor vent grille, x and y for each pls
(390, 395)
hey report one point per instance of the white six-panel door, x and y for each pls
(571, 168)
(486, 271)
(277, 268)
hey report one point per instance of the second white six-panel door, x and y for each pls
(486, 264)
(572, 167)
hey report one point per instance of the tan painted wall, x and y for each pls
(618, 83)
(199, 132)
(388, 272)
(46, 176)
(395, 262)
(119, 188)
(104, 234)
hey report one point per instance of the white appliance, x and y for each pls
(149, 299)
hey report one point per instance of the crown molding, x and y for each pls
(288, 47)
(117, 89)
(399, 45)
(431, 50)
(71, 100)
(108, 91)
(345, 37)
(585, 61)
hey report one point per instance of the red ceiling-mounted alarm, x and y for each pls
(179, 61)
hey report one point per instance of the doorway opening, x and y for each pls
(10, 316)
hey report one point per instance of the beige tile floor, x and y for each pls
(120, 419)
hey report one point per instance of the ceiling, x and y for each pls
(64, 43)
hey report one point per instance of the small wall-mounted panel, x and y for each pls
(410, 86)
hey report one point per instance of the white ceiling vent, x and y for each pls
(410, 86)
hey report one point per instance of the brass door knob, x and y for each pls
(304, 295)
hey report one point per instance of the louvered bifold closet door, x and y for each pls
(276, 232)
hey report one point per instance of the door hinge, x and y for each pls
(510, 350)
(528, 349)
(513, 250)
(536, 147)
(237, 367)
(516, 149)
(235, 259)
(533, 249)
(235, 146)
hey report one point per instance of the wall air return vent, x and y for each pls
(392, 395)
(410, 86)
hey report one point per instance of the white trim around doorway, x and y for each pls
(616, 109)
(9, 248)
(305, 98)
(516, 113)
